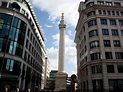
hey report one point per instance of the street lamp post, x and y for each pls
(14, 6)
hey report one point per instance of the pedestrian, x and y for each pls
(17, 90)
(28, 90)
(6, 89)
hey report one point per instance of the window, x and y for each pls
(100, 12)
(105, 32)
(89, 4)
(12, 67)
(93, 33)
(119, 55)
(85, 38)
(28, 32)
(117, 12)
(121, 32)
(94, 44)
(109, 3)
(120, 68)
(121, 22)
(4, 4)
(115, 85)
(112, 22)
(104, 21)
(108, 55)
(113, 13)
(116, 43)
(31, 37)
(121, 13)
(27, 42)
(110, 68)
(10, 6)
(107, 43)
(91, 13)
(96, 69)
(95, 56)
(27, 14)
(25, 56)
(85, 48)
(114, 32)
(104, 12)
(92, 22)
(23, 11)
(100, 2)
(109, 13)
(117, 4)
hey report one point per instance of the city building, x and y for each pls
(47, 71)
(51, 80)
(22, 50)
(99, 44)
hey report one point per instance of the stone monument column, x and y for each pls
(61, 76)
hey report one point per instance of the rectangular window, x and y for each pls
(28, 32)
(95, 56)
(85, 38)
(96, 69)
(114, 32)
(90, 4)
(121, 13)
(109, 13)
(120, 68)
(108, 55)
(93, 33)
(121, 22)
(92, 23)
(115, 85)
(91, 13)
(27, 42)
(116, 43)
(113, 13)
(94, 44)
(105, 32)
(112, 22)
(23, 11)
(104, 21)
(109, 3)
(100, 2)
(121, 32)
(104, 12)
(107, 43)
(117, 4)
(85, 48)
(119, 55)
(10, 6)
(100, 12)
(117, 12)
(110, 68)
(4, 4)
(27, 14)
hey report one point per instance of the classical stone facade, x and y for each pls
(99, 44)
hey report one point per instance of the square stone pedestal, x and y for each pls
(60, 81)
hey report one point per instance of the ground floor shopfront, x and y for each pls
(16, 74)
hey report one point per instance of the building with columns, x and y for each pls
(22, 50)
(99, 44)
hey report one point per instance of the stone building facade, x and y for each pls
(99, 44)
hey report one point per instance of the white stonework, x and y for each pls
(61, 76)
(60, 82)
(62, 28)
